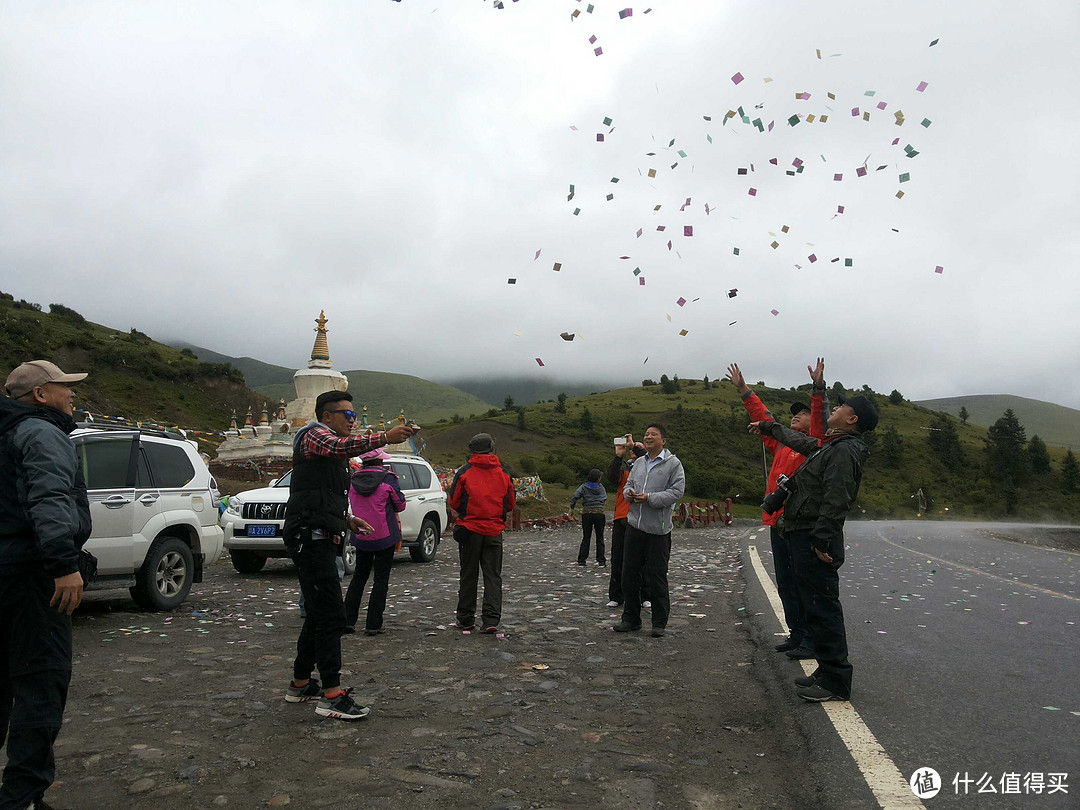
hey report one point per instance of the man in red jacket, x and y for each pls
(482, 494)
(785, 462)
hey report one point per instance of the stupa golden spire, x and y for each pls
(320, 352)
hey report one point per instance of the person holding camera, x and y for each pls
(820, 495)
(618, 471)
(809, 420)
(655, 484)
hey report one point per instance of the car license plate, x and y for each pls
(262, 531)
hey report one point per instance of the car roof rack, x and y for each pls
(121, 428)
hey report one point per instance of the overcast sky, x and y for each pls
(219, 172)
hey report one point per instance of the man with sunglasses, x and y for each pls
(316, 518)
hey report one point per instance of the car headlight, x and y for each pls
(235, 506)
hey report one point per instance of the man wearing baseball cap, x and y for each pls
(811, 421)
(44, 521)
(823, 492)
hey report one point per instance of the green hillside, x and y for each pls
(1054, 424)
(707, 430)
(382, 392)
(528, 390)
(129, 374)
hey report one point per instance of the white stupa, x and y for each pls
(269, 440)
(318, 378)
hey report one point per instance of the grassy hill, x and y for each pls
(382, 392)
(1054, 424)
(707, 430)
(129, 374)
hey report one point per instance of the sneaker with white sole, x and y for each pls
(647, 604)
(612, 603)
(301, 694)
(341, 707)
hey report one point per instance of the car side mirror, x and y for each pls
(273, 482)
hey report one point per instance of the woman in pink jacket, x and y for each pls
(374, 496)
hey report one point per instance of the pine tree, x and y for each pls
(1038, 456)
(892, 447)
(945, 442)
(586, 420)
(705, 382)
(896, 398)
(1005, 446)
(1008, 463)
(1070, 473)
(964, 415)
(560, 404)
(508, 403)
(521, 417)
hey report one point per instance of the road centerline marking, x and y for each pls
(884, 779)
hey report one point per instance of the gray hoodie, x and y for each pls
(665, 483)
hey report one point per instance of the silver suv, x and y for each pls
(254, 519)
(154, 508)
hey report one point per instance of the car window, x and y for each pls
(406, 477)
(284, 480)
(422, 474)
(105, 464)
(170, 464)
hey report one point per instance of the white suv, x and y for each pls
(154, 508)
(254, 519)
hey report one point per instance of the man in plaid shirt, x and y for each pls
(315, 523)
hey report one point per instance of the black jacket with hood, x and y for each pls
(44, 510)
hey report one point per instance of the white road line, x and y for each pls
(884, 779)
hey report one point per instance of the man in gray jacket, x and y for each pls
(44, 520)
(655, 485)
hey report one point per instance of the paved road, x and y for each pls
(966, 654)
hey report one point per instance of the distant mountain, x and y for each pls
(383, 393)
(1054, 424)
(527, 391)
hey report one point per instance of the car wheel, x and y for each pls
(428, 542)
(349, 556)
(165, 578)
(247, 562)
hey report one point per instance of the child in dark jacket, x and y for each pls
(376, 497)
(592, 496)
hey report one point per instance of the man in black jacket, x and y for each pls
(825, 488)
(316, 517)
(44, 520)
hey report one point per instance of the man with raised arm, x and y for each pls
(823, 491)
(809, 420)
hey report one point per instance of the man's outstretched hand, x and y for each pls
(817, 373)
(736, 378)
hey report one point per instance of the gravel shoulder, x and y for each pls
(186, 710)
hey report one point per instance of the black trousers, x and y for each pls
(645, 565)
(35, 656)
(615, 588)
(794, 614)
(819, 589)
(365, 561)
(319, 643)
(477, 553)
(590, 524)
